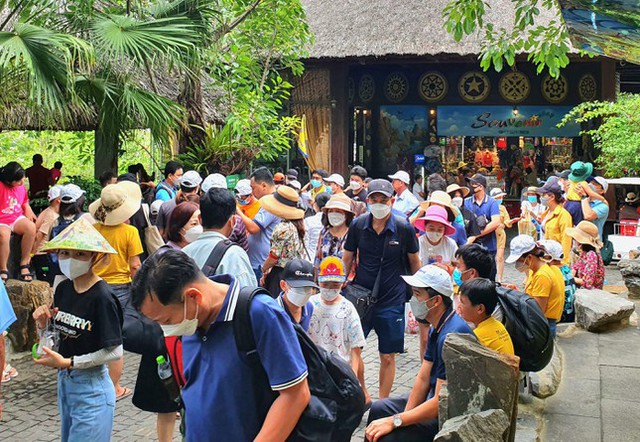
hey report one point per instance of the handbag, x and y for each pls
(152, 238)
(526, 226)
(361, 297)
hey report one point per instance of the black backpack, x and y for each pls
(337, 400)
(55, 231)
(528, 328)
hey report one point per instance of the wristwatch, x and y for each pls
(397, 421)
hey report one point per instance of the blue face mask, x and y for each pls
(499, 202)
(316, 183)
(532, 199)
(457, 277)
(328, 190)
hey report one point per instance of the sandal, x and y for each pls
(4, 275)
(23, 276)
(126, 392)
(5, 377)
(11, 371)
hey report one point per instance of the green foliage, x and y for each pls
(547, 45)
(618, 134)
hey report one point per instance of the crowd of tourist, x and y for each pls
(159, 269)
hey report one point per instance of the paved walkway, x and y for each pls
(31, 414)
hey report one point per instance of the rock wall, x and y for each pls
(25, 297)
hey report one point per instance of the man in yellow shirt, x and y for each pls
(557, 219)
(247, 203)
(478, 300)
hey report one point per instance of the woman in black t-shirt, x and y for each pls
(83, 325)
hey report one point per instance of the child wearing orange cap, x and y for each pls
(335, 324)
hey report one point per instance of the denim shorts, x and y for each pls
(87, 403)
(388, 323)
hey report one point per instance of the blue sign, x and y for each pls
(494, 121)
(418, 159)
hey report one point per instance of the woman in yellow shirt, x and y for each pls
(545, 283)
(556, 219)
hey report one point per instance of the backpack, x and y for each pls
(55, 231)
(528, 328)
(606, 252)
(213, 261)
(337, 400)
(162, 185)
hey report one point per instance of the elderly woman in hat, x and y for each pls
(287, 240)
(117, 203)
(588, 268)
(336, 218)
(82, 328)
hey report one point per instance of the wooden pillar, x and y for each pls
(106, 154)
(609, 79)
(339, 119)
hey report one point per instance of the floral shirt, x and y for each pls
(286, 244)
(590, 268)
(329, 245)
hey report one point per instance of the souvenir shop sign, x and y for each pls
(494, 121)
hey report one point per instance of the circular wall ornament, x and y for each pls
(432, 86)
(367, 88)
(351, 89)
(474, 87)
(514, 87)
(587, 88)
(396, 87)
(555, 90)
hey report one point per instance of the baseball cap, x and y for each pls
(54, 192)
(402, 176)
(380, 186)
(431, 276)
(332, 270)
(70, 193)
(214, 180)
(191, 179)
(278, 177)
(243, 187)
(478, 179)
(553, 248)
(335, 178)
(520, 245)
(496, 192)
(295, 184)
(551, 186)
(292, 174)
(564, 174)
(154, 208)
(298, 273)
(602, 181)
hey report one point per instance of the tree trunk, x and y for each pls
(191, 98)
(106, 154)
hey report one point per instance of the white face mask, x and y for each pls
(185, 328)
(74, 268)
(434, 237)
(336, 219)
(457, 201)
(329, 294)
(419, 308)
(193, 233)
(299, 296)
(379, 211)
(355, 185)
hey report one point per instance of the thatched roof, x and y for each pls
(379, 28)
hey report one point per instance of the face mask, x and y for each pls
(592, 187)
(457, 277)
(379, 211)
(74, 268)
(336, 219)
(193, 233)
(457, 201)
(299, 296)
(499, 202)
(355, 185)
(329, 294)
(434, 237)
(316, 183)
(532, 199)
(522, 266)
(328, 189)
(185, 328)
(420, 309)
(243, 202)
(544, 200)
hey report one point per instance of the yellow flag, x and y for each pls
(303, 138)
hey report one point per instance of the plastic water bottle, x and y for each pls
(166, 376)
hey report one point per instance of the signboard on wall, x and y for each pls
(495, 121)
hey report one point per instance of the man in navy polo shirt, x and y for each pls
(298, 287)
(219, 396)
(367, 237)
(486, 212)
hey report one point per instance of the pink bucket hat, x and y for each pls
(438, 215)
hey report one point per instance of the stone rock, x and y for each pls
(486, 426)
(25, 297)
(443, 411)
(480, 379)
(634, 254)
(545, 382)
(630, 271)
(595, 309)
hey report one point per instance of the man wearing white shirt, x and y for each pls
(405, 202)
(418, 190)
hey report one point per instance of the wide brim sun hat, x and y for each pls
(80, 235)
(117, 203)
(340, 202)
(585, 233)
(443, 199)
(436, 214)
(283, 203)
(452, 188)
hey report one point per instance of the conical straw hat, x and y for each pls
(80, 235)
